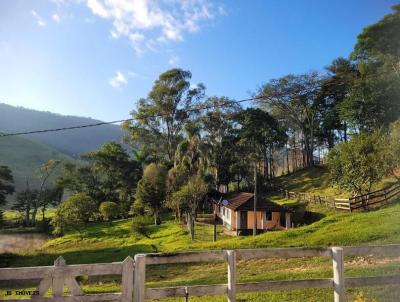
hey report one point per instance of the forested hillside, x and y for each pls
(24, 157)
(71, 142)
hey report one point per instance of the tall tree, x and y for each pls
(159, 118)
(381, 42)
(191, 153)
(45, 171)
(295, 99)
(25, 202)
(374, 96)
(81, 178)
(335, 89)
(257, 129)
(217, 124)
(118, 172)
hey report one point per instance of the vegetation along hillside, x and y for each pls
(24, 157)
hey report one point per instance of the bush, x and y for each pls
(75, 212)
(109, 210)
(358, 164)
(140, 224)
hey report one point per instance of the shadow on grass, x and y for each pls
(75, 257)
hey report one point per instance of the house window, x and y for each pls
(268, 216)
(223, 211)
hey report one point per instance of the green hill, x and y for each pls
(24, 158)
(71, 142)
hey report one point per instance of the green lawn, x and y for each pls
(105, 243)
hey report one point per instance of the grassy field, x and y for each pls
(105, 243)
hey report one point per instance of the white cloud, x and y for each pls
(56, 17)
(173, 60)
(39, 20)
(118, 80)
(97, 8)
(150, 23)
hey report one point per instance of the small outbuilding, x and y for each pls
(236, 211)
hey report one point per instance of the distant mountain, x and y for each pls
(24, 157)
(71, 142)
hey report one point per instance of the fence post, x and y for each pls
(58, 281)
(127, 279)
(140, 278)
(338, 274)
(231, 257)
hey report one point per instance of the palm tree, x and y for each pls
(192, 153)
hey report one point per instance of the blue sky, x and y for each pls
(95, 58)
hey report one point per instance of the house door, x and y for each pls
(243, 220)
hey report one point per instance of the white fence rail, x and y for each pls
(134, 274)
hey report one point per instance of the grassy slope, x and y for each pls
(104, 243)
(316, 181)
(112, 243)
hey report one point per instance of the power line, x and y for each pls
(227, 103)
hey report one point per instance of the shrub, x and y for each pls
(151, 190)
(358, 164)
(140, 224)
(75, 212)
(109, 210)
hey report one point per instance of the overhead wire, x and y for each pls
(227, 103)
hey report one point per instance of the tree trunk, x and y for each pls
(287, 159)
(43, 212)
(255, 201)
(157, 219)
(190, 224)
(35, 210)
(311, 147)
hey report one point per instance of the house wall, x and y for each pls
(262, 223)
(226, 215)
(230, 221)
(233, 221)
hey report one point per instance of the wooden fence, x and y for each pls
(327, 201)
(134, 274)
(368, 201)
(362, 202)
